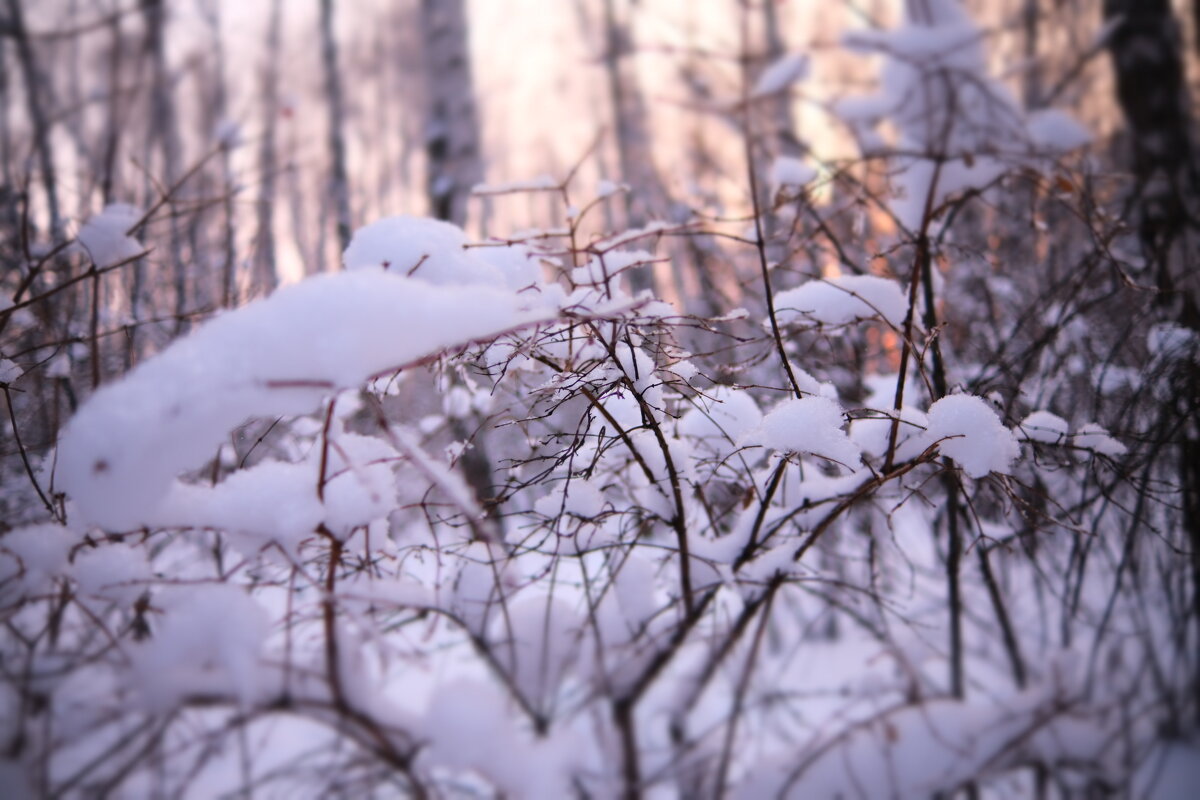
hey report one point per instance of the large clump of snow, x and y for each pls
(720, 420)
(437, 252)
(843, 300)
(281, 355)
(968, 431)
(807, 425)
(105, 236)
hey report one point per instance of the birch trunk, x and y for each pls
(634, 154)
(163, 130)
(453, 166)
(452, 148)
(335, 101)
(226, 185)
(263, 275)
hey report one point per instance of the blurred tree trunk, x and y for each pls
(1031, 85)
(787, 141)
(163, 130)
(337, 114)
(114, 110)
(452, 149)
(783, 140)
(647, 196)
(453, 166)
(1146, 50)
(1147, 56)
(9, 214)
(226, 136)
(36, 93)
(263, 274)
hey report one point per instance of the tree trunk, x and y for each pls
(453, 167)
(337, 114)
(451, 128)
(35, 94)
(226, 141)
(262, 278)
(1147, 56)
(163, 130)
(1148, 64)
(635, 157)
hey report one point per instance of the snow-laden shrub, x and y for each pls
(471, 519)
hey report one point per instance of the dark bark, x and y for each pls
(1147, 55)
(1146, 51)
(35, 95)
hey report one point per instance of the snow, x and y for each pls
(104, 237)
(1044, 427)
(277, 356)
(1094, 437)
(598, 271)
(1171, 772)
(651, 229)
(1054, 131)
(59, 367)
(925, 184)
(9, 371)
(541, 638)
(426, 249)
(945, 34)
(116, 572)
(780, 74)
(228, 134)
(790, 171)
(315, 575)
(517, 263)
(30, 559)
(928, 749)
(969, 431)
(208, 641)
(436, 473)
(456, 403)
(471, 727)
(579, 498)
(1171, 342)
(541, 183)
(273, 501)
(721, 419)
(843, 300)
(735, 314)
(808, 425)
(873, 434)
(605, 188)
(960, 131)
